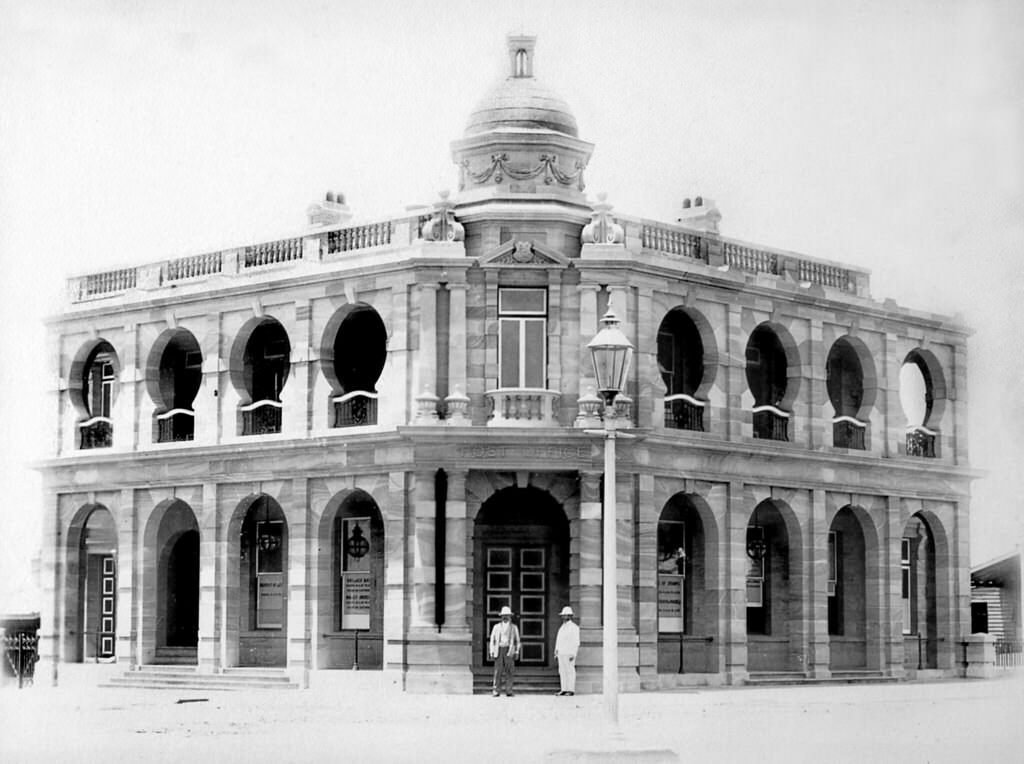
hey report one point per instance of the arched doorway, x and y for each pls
(687, 600)
(847, 592)
(261, 584)
(521, 548)
(176, 544)
(773, 603)
(918, 585)
(351, 583)
(93, 601)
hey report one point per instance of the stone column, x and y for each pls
(207, 651)
(736, 565)
(816, 554)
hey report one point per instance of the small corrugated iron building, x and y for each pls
(376, 432)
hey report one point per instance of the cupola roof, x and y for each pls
(520, 101)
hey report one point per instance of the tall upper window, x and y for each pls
(522, 339)
(681, 364)
(844, 381)
(99, 377)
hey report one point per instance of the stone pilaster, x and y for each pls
(646, 524)
(126, 398)
(396, 539)
(458, 333)
(734, 374)
(458, 532)
(301, 546)
(818, 406)
(425, 364)
(585, 577)
(818, 648)
(207, 652)
(650, 403)
(295, 395)
(588, 328)
(205, 405)
(736, 564)
(129, 578)
(892, 602)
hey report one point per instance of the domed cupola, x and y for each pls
(521, 139)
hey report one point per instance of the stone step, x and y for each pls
(166, 677)
(527, 682)
(847, 676)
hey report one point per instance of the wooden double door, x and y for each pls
(517, 576)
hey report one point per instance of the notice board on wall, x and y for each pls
(670, 602)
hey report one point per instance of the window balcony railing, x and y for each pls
(176, 425)
(97, 432)
(355, 409)
(522, 407)
(683, 412)
(261, 418)
(848, 432)
(921, 442)
(771, 423)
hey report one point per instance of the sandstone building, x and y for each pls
(371, 436)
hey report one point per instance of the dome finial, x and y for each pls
(520, 53)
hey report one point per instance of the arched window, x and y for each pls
(98, 390)
(265, 367)
(681, 364)
(356, 349)
(918, 400)
(844, 379)
(767, 376)
(175, 377)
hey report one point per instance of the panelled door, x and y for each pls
(516, 575)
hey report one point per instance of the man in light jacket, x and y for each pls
(567, 644)
(504, 649)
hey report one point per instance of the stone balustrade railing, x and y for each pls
(672, 241)
(97, 285)
(522, 407)
(360, 237)
(750, 259)
(195, 266)
(273, 252)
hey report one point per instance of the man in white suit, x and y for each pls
(567, 644)
(504, 649)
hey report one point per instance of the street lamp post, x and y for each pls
(611, 352)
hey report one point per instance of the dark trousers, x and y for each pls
(504, 669)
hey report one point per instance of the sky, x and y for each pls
(885, 134)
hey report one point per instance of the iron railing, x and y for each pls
(771, 424)
(684, 413)
(261, 418)
(355, 409)
(176, 425)
(1009, 653)
(847, 434)
(96, 433)
(921, 442)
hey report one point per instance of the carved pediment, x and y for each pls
(524, 253)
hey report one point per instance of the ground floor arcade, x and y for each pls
(405, 571)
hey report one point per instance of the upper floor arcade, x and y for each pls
(407, 322)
